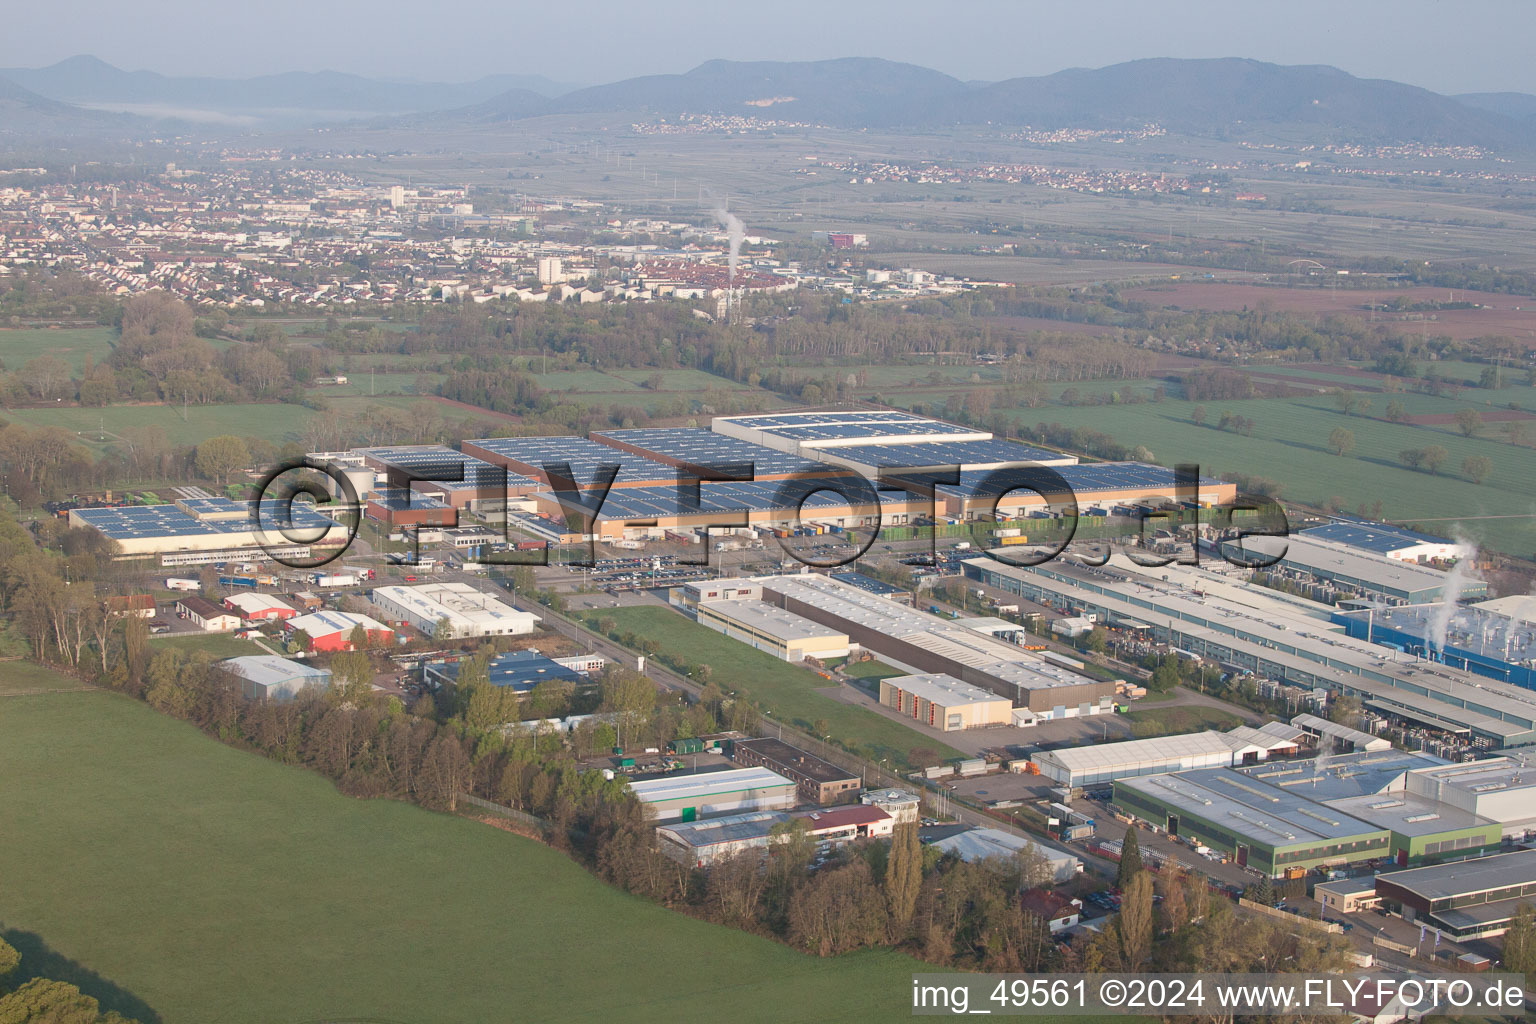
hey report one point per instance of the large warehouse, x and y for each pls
(686, 447)
(1365, 572)
(201, 531)
(269, 677)
(701, 843)
(332, 631)
(1500, 789)
(944, 702)
(1470, 899)
(1250, 628)
(465, 611)
(1389, 541)
(1267, 828)
(762, 626)
(804, 432)
(981, 843)
(923, 643)
(706, 794)
(1098, 763)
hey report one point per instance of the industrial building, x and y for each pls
(702, 843)
(800, 432)
(1267, 828)
(254, 607)
(709, 794)
(1332, 737)
(694, 449)
(923, 643)
(1351, 568)
(1341, 776)
(818, 781)
(268, 677)
(206, 615)
(1423, 830)
(201, 531)
(457, 607)
(1098, 763)
(332, 631)
(945, 703)
(981, 843)
(1248, 628)
(521, 670)
(472, 483)
(903, 807)
(1500, 789)
(400, 506)
(838, 825)
(1389, 541)
(1471, 899)
(763, 627)
(1496, 638)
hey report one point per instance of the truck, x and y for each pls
(252, 581)
(182, 584)
(322, 579)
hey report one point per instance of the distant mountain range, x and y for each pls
(88, 82)
(1229, 97)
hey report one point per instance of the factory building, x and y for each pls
(818, 781)
(521, 670)
(981, 843)
(472, 484)
(1378, 576)
(1423, 831)
(1248, 628)
(838, 825)
(199, 531)
(1472, 899)
(332, 631)
(763, 627)
(687, 448)
(709, 794)
(1501, 789)
(254, 607)
(1389, 541)
(402, 507)
(702, 843)
(1098, 763)
(1333, 738)
(1341, 776)
(1495, 638)
(945, 703)
(458, 607)
(1267, 828)
(268, 677)
(926, 644)
(801, 432)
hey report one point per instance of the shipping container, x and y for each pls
(182, 584)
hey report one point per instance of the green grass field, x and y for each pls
(1289, 445)
(275, 422)
(71, 344)
(220, 645)
(1164, 721)
(181, 880)
(786, 691)
(18, 677)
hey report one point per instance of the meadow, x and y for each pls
(177, 879)
(71, 344)
(787, 692)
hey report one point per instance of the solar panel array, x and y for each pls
(152, 521)
(705, 448)
(584, 457)
(902, 428)
(477, 474)
(1085, 478)
(662, 502)
(768, 421)
(399, 500)
(943, 453)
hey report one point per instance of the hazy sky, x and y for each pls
(1453, 46)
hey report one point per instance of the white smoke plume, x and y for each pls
(736, 231)
(1461, 572)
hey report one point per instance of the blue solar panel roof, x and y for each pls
(705, 448)
(943, 453)
(654, 502)
(1376, 537)
(149, 521)
(584, 457)
(1086, 478)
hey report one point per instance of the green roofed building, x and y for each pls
(1262, 827)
